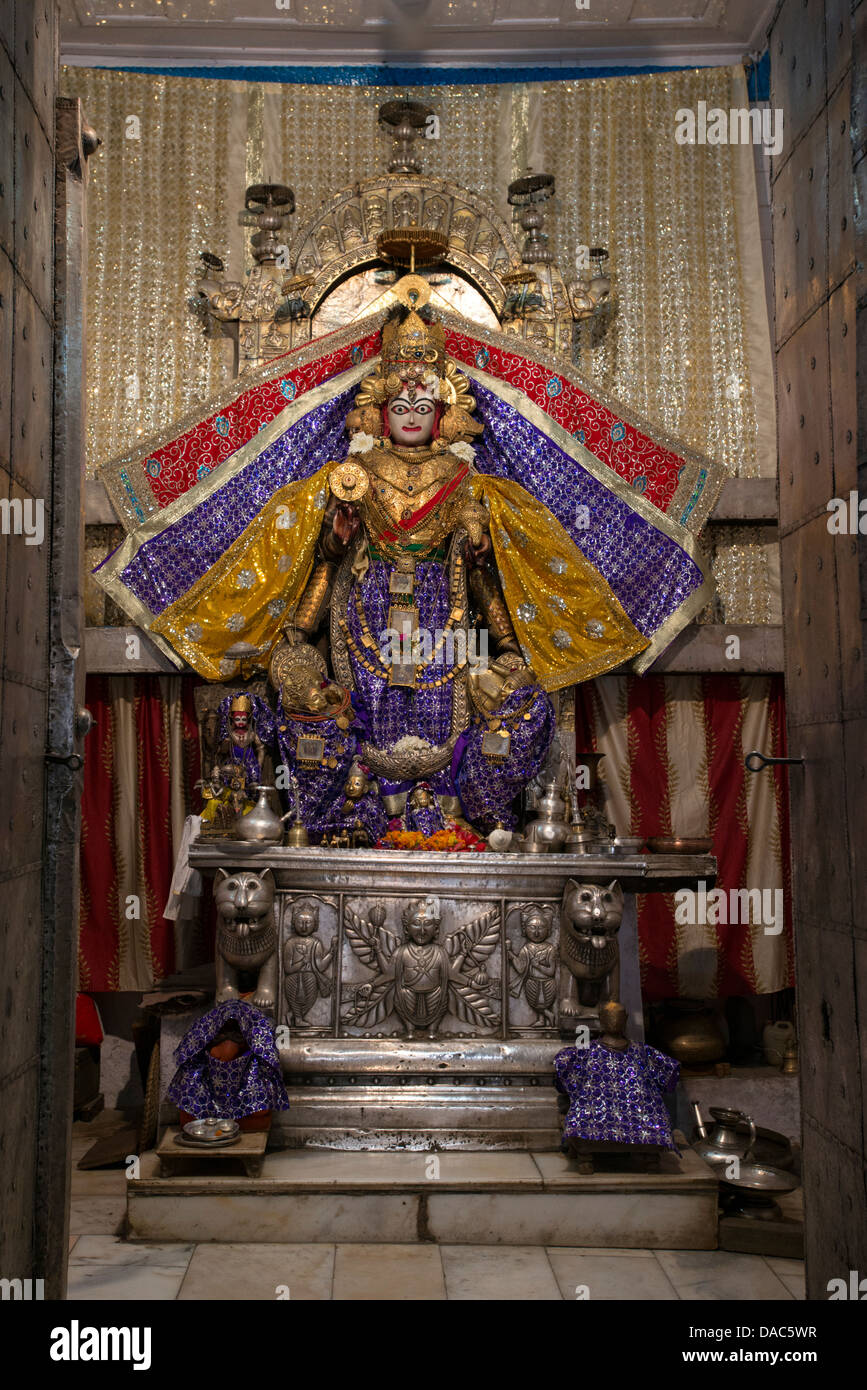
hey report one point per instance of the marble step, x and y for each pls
(419, 1116)
(457, 1198)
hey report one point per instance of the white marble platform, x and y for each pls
(455, 1198)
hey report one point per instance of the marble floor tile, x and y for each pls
(110, 1250)
(247, 1272)
(98, 1182)
(791, 1272)
(511, 1272)
(96, 1215)
(388, 1272)
(606, 1275)
(721, 1274)
(138, 1282)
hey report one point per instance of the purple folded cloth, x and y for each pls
(210, 1089)
(616, 1097)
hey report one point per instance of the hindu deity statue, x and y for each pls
(403, 572)
(244, 730)
(419, 557)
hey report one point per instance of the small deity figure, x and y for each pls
(423, 811)
(306, 962)
(318, 743)
(615, 1089)
(535, 963)
(421, 970)
(356, 786)
(244, 730)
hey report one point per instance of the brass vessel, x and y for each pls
(691, 1033)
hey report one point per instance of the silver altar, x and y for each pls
(484, 1081)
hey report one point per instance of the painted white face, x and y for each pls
(411, 415)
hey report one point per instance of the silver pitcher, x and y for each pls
(261, 826)
(550, 829)
(725, 1142)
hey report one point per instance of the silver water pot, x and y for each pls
(261, 825)
(550, 827)
(725, 1141)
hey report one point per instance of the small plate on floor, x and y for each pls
(210, 1132)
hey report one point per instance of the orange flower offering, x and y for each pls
(453, 839)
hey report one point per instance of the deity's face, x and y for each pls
(421, 932)
(535, 927)
(355, 785)
(311, 697)
(422, 923)
(240, 721)
(411, 414)
(303, 921)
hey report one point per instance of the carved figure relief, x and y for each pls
(306, 962)
(534, 963)
(436, 214)
(374, 215)
(327, 241)
(423, 976)
(486, 241)
(404, 210)
(463, 224)
(351, 225)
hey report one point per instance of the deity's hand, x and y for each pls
(478, 554)
(345, 523)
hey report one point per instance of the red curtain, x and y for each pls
(141, 760)
(675, 748)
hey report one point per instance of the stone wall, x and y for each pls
(28, 74)
(816, 290)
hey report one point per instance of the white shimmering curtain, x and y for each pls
(687, 347)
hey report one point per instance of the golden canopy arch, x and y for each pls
(340, 239)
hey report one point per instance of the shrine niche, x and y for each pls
(392, 550)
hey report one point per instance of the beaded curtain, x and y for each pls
(686, 346)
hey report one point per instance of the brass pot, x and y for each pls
(691, 1034)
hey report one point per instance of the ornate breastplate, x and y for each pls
(408, 498)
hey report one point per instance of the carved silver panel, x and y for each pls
(533, 956)
(448, 982)
(309, 948)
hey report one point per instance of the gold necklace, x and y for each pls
(379, 669)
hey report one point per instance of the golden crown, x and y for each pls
(411, 351)
(413, 345)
